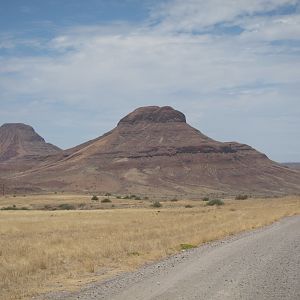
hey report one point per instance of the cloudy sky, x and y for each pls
(73, 68)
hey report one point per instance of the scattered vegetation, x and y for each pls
(107, 194)
(205, 199)
(156, 204)
(213, 202)
(241, 197)
(13, 207)
(95, 198)
(133, 197)
(105, 200)
(30, 240)
(174, 200)
(187, 246)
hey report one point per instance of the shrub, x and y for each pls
(241, 197)
(95, 198)
(213, 202)
(106, 200)
(48, 207)
(107, 194)
(205, 199)
(187, 246)
(66, 206)
(174, 200)
(156, 204)
(189, 206)
(14, 208)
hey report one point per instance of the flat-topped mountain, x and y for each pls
(154, 151)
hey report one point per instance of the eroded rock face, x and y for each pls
(20, 140)
(154, 114)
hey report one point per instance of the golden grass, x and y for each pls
(47, 250)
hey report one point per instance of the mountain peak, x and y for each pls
(154, 114)
(18, 139)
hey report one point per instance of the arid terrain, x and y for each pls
(152, 151)
(58, 249)
(260, 264)
(151, 187)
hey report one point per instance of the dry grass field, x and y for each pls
(43, 251)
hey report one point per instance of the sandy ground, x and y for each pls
(262, 264)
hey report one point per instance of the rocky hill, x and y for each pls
(21, 148)
(154, 151)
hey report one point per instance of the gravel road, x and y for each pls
(262, 264)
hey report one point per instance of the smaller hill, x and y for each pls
(20, 140)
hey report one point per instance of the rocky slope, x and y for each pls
(21, 148)
(154, 151)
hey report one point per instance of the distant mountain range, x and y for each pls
(151, 151)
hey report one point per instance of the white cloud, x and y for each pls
(190, 15)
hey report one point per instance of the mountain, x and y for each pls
(154, 151)
(21, 148)
(19, 140)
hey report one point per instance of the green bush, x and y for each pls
(187, 246)
(95, 198)
(14, 208)
(189, 206)
(106, 200)
(156, 204)
(205, 199)
(66, 206)
(241, 197)
(213, 202)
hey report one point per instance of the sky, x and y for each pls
(72, 68)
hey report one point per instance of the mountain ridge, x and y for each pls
(153, 150)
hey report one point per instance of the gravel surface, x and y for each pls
(262, 264)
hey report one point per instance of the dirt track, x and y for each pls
(263, 264)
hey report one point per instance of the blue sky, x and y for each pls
(73, 68)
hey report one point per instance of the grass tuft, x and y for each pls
(187, 246)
